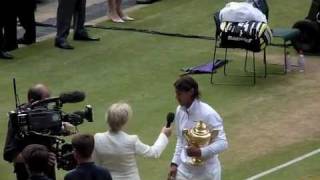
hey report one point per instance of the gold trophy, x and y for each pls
(199, 136)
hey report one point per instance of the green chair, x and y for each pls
(287, 35)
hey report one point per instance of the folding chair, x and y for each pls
(254, 46)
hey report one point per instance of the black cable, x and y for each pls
(152, 32)
(138, 30)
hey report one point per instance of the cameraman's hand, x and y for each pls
(166, 131)
(68, 128)
(52, 159)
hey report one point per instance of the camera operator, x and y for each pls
(14, 144)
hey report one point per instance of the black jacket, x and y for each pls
(88, 171)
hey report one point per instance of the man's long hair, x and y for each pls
(187, 83)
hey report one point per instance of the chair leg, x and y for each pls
(254, 68)
(245, 62)
(214, 58)
(225, 60)
(285, 56)
(265, 62)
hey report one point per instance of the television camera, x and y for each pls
(45, 118)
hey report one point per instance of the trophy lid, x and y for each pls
(200, 129)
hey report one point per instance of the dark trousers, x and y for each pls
(26, 17)
(22, 173)
(8, 27)
(1, 37)
(68, 9)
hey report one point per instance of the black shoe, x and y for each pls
(25, 41)
(63, 45)
(85, 38)
(5, 55)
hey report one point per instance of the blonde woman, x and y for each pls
(117, 150)
(115, 13)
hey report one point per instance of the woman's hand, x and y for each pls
(68, 128)
(166, 131)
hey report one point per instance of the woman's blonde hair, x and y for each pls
(118, 115)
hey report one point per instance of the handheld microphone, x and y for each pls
(72, 97)
(170, 118)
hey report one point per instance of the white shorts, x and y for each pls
(210, 175)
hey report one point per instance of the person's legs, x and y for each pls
(113, 14)
(1, 34)
(65, 11)
(120, 12)
(214, 174)
(10, 28)
(118, 8)
(79, 18)
(3, 53)
(27, 20)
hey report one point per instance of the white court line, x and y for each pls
(284, 165)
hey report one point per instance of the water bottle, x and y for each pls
(301, 61)
(288, 65)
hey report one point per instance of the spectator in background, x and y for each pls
(117, 150)
(25, 13)
(83, 145)
(68, 9)
(36, 158)
(115, 12)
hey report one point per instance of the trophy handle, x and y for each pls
(214, 134)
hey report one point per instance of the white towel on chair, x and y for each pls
(241, 12)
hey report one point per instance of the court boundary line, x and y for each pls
(300, 158)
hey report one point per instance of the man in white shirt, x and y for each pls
(189, 112)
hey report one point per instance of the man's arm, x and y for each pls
(220, 142)
(176, 156)
(176, 160)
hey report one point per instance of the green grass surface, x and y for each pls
(141, 68)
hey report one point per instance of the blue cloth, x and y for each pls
(88, 171)
(205, 68)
